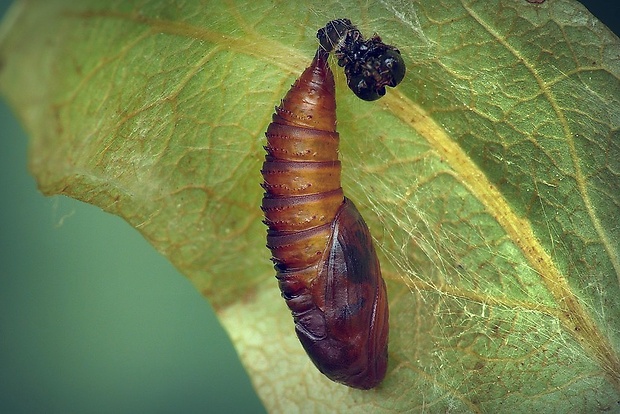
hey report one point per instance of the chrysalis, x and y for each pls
(324, 257)
(326, 264)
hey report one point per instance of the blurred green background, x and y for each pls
(93, 320)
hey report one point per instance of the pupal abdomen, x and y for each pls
(325, 261)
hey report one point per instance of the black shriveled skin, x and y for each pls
(369, 65)
(334, 32)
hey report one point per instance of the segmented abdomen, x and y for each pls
(301, 170)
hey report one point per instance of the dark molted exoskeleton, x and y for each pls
(324, 257)
(369, 65)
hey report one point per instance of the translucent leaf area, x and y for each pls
(490, 180)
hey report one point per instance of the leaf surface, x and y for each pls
(490, 179)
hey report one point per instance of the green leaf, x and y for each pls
(490, 179)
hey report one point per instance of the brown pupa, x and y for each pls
(324, 257)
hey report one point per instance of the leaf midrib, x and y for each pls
(568, 135)
(571, 313)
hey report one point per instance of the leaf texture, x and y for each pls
(490, 179)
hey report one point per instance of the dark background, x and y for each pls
(93, 320)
